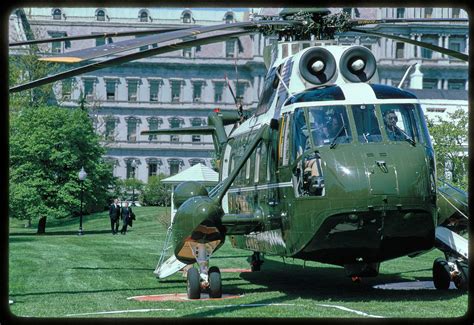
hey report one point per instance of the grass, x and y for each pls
(61, 274)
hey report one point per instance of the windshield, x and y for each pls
(366, 123)
(401, 122)
(320, 126)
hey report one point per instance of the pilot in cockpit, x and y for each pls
(393, 131)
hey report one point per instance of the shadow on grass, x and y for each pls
(62, 233)
(318, 284)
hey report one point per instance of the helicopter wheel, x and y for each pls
(441, 274)
(193, 284)
(215, 283)
(461, 280)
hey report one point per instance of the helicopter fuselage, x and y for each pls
(374, 195)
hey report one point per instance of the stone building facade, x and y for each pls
(179, 89)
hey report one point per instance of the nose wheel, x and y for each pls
(210, 283)
(444, 272)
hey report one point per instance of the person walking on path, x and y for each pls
(114, 214)
(126, 218)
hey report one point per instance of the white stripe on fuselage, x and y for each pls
(260, 187)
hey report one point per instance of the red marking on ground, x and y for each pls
(231, 270)
(180, 297)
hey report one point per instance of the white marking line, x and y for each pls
(245, 305)
(123, 311)
(350, 310)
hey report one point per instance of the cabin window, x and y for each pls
(401, 122)
(366, 123)
(263, 159)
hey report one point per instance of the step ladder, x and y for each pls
(170, 266)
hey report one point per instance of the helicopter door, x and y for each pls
(225, 173)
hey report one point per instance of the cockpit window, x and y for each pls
(401, 122)
(366, 123)
(320, 126)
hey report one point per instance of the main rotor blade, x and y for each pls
(102, 35)
(456, 54)
(109, 49)
(362, 22)
(126, 58)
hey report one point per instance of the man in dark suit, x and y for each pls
(114, 214)
(126, 217)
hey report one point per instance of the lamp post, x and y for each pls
(134, 166)
(82, 178)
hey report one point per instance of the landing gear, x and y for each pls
(256, 262)
(193, 284)
(215, 283)
(441, 274)
(205, 279)
(445, 271)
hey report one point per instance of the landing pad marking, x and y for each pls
(123, 311)
(350, 310)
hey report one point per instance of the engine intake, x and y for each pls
(357, 64)
(317, 66)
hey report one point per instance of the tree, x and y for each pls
(134, 186)
(450, 144)
(48, 147)
(155, 192)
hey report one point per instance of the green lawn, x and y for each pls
(61, 274)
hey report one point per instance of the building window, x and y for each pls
(186, 18)
(400, 49)
(100, 15)
(111, 89)
(89, 89)
(188, 52)
(175, 91)
(432, 39)
(143, 16)
(456, 84)
(218, 91)
(175, 165)
(196, 161)
(230, 49)
(154, 90)
(196, 122)
(132, 90)
(240, 91)
(430, 83)
(197, 91)
(57, 14)
(400, 12)
(66, 88)
(174, 124)
(152, 169)
(59, 46)
(109, 129)
(131, 171)
(428, 12)
(153, 124)
(456, 13)
(132, 126)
